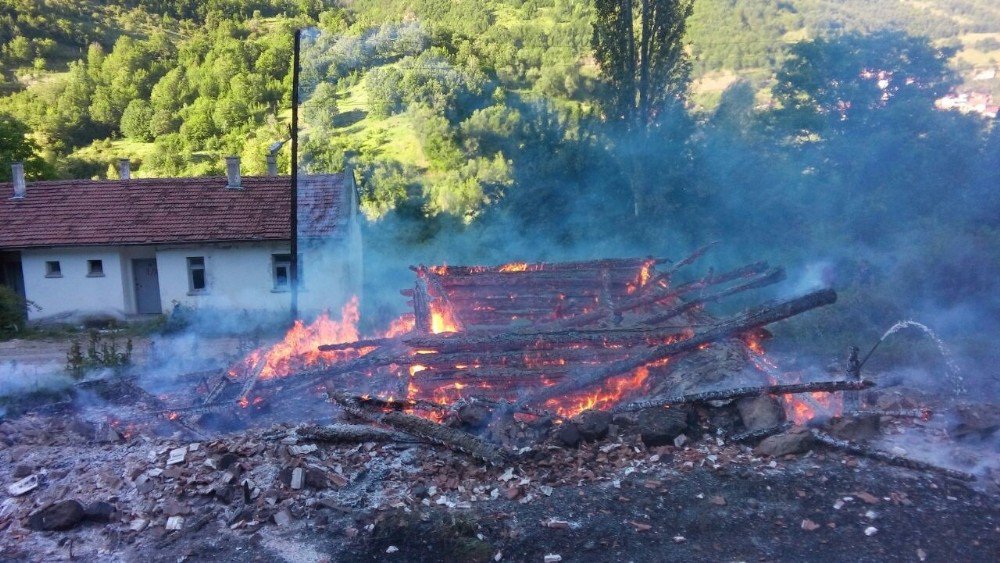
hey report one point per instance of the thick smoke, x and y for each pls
(887, 203)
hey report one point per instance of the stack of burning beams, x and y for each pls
(545, 343)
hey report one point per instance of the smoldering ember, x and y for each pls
(577, 410)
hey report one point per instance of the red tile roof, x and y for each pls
(170, 210)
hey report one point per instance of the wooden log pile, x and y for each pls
(546, 339)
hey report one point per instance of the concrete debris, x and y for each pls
(177, 455)
(282, 518)
(175, 523)
(797, 440)
(23, 486)
(298, 478)
(302, 450)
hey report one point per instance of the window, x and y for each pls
(196, 274)
(95, 268)
(53, 270)
(281, 267)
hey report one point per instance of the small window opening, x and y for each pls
(281, 267)
(95, 268)
(53, 269)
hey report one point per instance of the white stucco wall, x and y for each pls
(238, 276)
(75, 294)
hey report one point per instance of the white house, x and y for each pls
(121, 248)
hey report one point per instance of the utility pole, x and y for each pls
(293, 275)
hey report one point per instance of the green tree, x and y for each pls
(136, 121)
(15, 146)
(638, 45)
(847, 82)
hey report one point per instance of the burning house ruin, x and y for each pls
(492, 359)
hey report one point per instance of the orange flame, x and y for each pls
(610, 394)
(799, 408)
(645, 274)
(299, 348)
(400, 326)
(515, 267)
(443, 318)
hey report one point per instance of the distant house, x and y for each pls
(122, 248)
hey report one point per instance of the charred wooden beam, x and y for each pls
(422, 306)
(174, 414)
(770, 277)
(690, 259)
(657, 295)
(731, 327)
(427, 430)
(528, 340)
(760, 432)
(252, 378)
(398, 404)
(923, 414)
(889, 458)
(363, 343)
(534, 267)
(751, 391)
(521, 357)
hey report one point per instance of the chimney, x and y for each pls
(233, 172)
(17, 176)
(272, 164)
(124, 169)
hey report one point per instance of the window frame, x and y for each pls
(197, 263)
(277, 261)
(53, 269)
(97, 272)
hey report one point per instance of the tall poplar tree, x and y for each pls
(638, 45)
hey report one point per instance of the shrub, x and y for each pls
(13, 312)
(101, 352)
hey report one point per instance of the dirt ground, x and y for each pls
(615, 500)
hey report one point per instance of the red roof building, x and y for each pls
(144, 246)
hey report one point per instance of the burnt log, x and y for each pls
(657, 295)
(540, 340)
(349, 434)
(535, 267)
(889, 458)
(364, 343)
(731, 327)
(425, 429)
(742, 392)
(770, 277)
(759, 433)
(421, 306)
